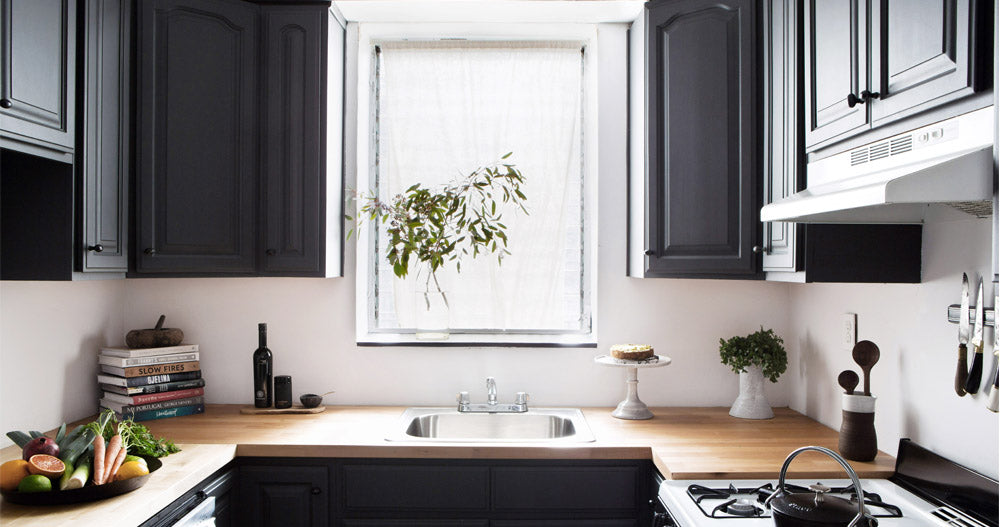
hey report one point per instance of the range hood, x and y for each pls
(894, 180)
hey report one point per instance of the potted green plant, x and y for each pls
(755, 357)
(428, 228)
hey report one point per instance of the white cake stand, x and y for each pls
(632, 407)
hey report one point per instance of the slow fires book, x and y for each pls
(152, 369)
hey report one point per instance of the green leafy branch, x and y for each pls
(761, 348)
(438, 226)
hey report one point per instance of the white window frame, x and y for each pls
(368, 34)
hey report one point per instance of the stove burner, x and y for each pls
(742, 507)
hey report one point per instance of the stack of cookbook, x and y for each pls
(151, 383)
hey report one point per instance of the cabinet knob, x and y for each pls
(316, 490)
(870, 95)
(5, 103)
(97, 248)
(650, 252)
(270, 252)
(758, 249)
(854, 100)
(150, 251)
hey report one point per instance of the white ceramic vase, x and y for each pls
(751, 403)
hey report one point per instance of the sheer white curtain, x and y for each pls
(446, 108)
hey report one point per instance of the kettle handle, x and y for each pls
(850, 472)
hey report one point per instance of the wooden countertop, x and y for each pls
(683, 443)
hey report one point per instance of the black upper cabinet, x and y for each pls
(836, 50)
(702, 171)
(103, 158)
(232, 161)
(294, 139)
(38, 77)
(870, 63)
(197, 162)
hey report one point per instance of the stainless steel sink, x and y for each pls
(545, 425)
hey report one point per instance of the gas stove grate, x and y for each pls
(735, 506)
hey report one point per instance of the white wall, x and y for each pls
(914, 377)
(49, 334)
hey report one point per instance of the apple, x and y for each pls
(40, 445)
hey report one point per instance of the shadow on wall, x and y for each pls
(83, 365)
(812, 366)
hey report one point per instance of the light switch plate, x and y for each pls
(849, 330)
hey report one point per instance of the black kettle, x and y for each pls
(815, 509)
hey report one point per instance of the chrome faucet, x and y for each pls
(491, 390)
(520, 405)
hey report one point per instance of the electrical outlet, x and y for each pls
(849, 330)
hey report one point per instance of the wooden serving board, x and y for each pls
(253, 410)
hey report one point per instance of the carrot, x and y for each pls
(119, 459)
(98, 459)
(112, 454)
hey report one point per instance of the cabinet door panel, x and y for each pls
(702, 173)
(276, 496)
(38, 70)
(105, 137)
(781, 119)
(565, 488)
(922, 56)
(393, 487)
(294, 140)
(197, 163)
(836, 65)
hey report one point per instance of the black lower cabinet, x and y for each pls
(442, 493)
(291, 495)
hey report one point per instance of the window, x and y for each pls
(438, 109)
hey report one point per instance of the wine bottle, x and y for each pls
(263, 369)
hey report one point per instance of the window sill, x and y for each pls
(521, 340)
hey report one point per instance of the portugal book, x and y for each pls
(115, 380)
(152, 369)
(128, 410)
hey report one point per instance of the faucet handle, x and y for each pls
(522, 398)
(463, 398)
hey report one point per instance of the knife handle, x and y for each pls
(962, 372)
(991, 402)
(976, 373)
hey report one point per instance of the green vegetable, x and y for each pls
(19, 438)
(79, 445)
(79, 476)
(70, 437)
(64, 479)
(61, 434)
(761, 348)
(35, 433)
(141, 441)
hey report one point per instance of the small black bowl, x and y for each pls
(311, 400)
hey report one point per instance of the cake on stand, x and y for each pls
(632, 407)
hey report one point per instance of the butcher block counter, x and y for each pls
(683, 443)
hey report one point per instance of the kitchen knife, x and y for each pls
(964, 332)
(994, 389)
(976, 373)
